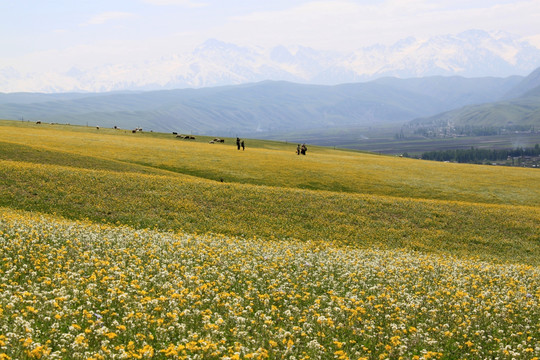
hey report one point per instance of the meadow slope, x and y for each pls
(273, 164)
(117, 245)
(157, 181)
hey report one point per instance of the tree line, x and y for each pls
(475, 155)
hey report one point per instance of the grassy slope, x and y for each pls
(361, 199)
(275, 164)
(521, 111)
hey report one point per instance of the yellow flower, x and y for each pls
(111, 335)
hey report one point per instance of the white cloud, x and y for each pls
(307, 24)
(344, 25)
(186, 3)
(348, 24)
(108, 16)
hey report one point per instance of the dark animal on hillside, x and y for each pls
(38, 122)
(175, 133)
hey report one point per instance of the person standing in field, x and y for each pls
(303, 149)
(238, 143)
(298, 150)
(243, 147)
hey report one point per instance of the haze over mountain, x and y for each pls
(473, 53)
(520, 106)
(263, 108)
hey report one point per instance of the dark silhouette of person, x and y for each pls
(298, 150)
(243, 146)
(303, 149)
(238, 143)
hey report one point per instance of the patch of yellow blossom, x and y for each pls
(78, 290)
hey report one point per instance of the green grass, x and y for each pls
(153, 180)
(275, 164)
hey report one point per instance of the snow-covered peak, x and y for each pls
(472, 53)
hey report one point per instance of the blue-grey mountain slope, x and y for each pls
(520, 107)
(260, 108)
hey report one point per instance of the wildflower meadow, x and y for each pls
(80, 290)
(116, 245)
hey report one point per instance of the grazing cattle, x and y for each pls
(175, 133)
(218, 140)
(97, 127)
(133, 131)
(38, 122)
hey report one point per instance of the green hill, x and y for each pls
(523, 111)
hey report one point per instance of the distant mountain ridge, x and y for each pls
(519, 107)
(472, 53)
(530, 84)
(262, 108)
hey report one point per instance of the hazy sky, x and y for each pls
(55, 35)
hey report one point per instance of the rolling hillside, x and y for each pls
(141, 245)
(196, 186)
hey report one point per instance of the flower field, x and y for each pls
(78, 290)
(139, 246)
(184, 203)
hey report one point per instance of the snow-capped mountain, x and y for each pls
(472, 53)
